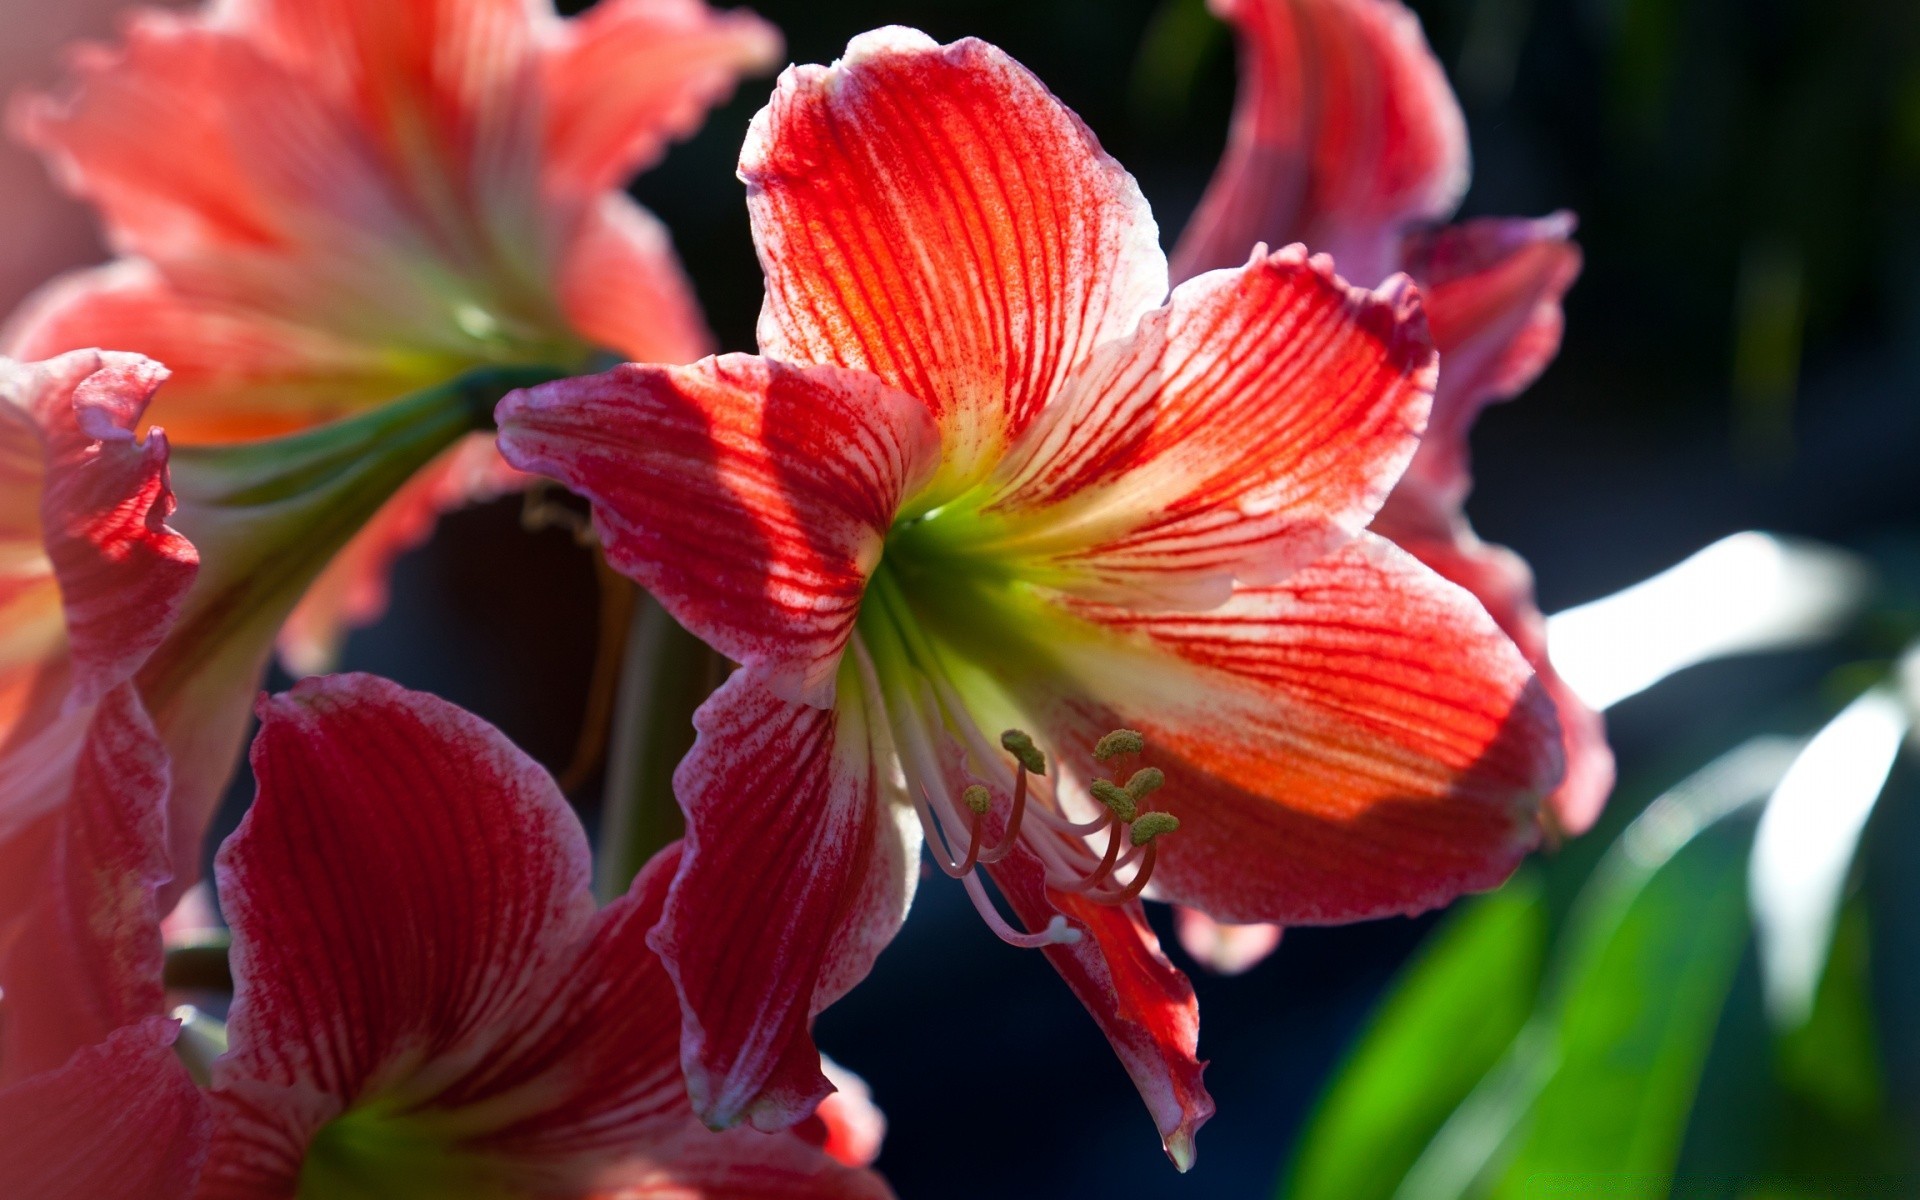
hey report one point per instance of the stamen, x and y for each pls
(1005, 845)
(1145, 782)
(1152, 825)
(1119, 800)
(1022, 748)
(1120, 741)
(1107, 861)
(978, 799)
(1057, 932)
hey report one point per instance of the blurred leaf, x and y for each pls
(1599, 1083)
(1833, 1060)
(1469, 992)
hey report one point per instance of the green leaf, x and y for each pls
(1451, 1017)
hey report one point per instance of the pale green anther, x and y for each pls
(1021, 747)
(978, 799)
(1145, 782)
(1152, 825)
(1115, 797)
(1120, 741)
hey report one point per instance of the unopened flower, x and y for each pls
(994, 512)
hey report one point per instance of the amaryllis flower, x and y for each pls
(994, 514)
(427, 1002)
(93, 1100)
(1346, 137)
(91, 579)
(324, 204)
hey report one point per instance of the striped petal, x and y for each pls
(1251, 426)
(752, 497)
(1360, 740)
(933, 215)
(1345, 134)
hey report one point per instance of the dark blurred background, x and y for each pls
(1743, 351)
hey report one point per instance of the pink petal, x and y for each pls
(1493, 290)
(1221, 948)
(121, 1119)
(752, 497)
(457, 842)
(739, 1164)
(1141, 1002)
(853, 1124)
(1358, 741)
(623, 287)
(86, 957)
(798, 868)
(1248, 428)
(1345, 134)
(629, 75)
(932, 214)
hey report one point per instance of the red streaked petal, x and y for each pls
(121, 1119)
(629, 75)
(623, 287)
(1492, 290)
(1345, 133)
(695, 1163)
(104, 504)
(932, 214)
(1141, 1002)
(1503, 584)
(1221, 948)
(1360, 740)
(752, 497)
(459, 842)
(1250, 427)
(798, 868)
(85, 959)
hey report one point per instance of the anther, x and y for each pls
(978, 799)
(1119, 801)
(1022, 748)
(1152, 825)
(1145, 782)
(1120, 741)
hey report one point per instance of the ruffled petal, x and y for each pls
(798, 867)
(1250, 427)
(1141, 1002)
(932, 214)
(459, 842)
(121, 1118)
(695, 1163)
(1221, 948)
(630, 75)
(1358, 741)
(85, 959)
(752, 497)
(623, 287)
(1503, 584)
(1492, 290)
(1345, 134)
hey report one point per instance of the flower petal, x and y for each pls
(796, 800)
(739, 1164)
(85, 960)
(751, 497)
(1248, 428)
(1221, 948)
(1141, 1002)
(932, 214)
(628, 75)
(1358, 741)
(458, 842)
(1345, 134)
(121, 1118)
(1492, 289)
(104, 503)
(623, 287)
(1503, 584)
(853, 1124)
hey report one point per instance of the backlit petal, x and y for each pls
(1345, 134)
(623, 287)
(1224, 949)
(795, 800)
(1141, 1002)
(1358, 741)
(1250, 427)
(932, 214)
(739, 1164)
(751, 497)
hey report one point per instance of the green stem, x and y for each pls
(666, 674)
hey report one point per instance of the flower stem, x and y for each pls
(666, 674)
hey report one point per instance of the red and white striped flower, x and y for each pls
(990, 479)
